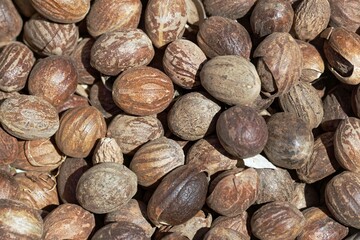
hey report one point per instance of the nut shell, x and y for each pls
(11, 22)
(313, 64)
(228, 8)
(120, 230)
(8, 147)
(345, 13)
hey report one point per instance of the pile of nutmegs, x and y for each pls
(165, 119)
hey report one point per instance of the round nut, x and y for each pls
(11, 22)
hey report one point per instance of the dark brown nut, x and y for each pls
(237, 223)
(107, 150)
(165, 21)
(107, 16)
(319, 225)
(193, 116)
(79, 129)
(179, 196)
(271, 16)
(242, 131)
(11, 22)
(53, 78)
(37, 189)
(311, 18)
(8, 147)
(275, 185)
(355, 103)
(18, 221)
(68, 221)
(73, 101)
(304, 101)
(16, 61)
(322, 162)
(29, 117)
(9, 187)
(279, 63)
(290, 142)
(228, 8)
(220, 36)
(346, 144)
(49, 38)
(174, 236)
(182, 62)
(342, 52)
(234, 193)
(120, 230)
(231, 79)
(143, 91)
(105, 187)
(305, 196)
(62, 11)
(70, 172)
(155, 159)
(313, 64)
(114, 52)
(81, 58)
(277, 220)
(209, 156)
(25, 7)
(130, 132)
(134, 212)
(345, 13)
(223, 233)
(342, 198)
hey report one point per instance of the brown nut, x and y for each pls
(11, 22)
(143, 91)
(220, 36)
(120, 230)
(345, 13)
(342, 198)
(313, 64)
(305, 196)
(165, 20)
(228, 8)
(73, 101)
(29, 117)
(107, 150)
(9, 187)
(79, 129)
(237, 223)
(25, 7)
(116, 51)
(16, 61)
(223, 233)
(8, 147)
(277, 220)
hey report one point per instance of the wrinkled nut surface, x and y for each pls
(8, 147)
(107, 150)
(230, 9)
(345, 13)
(11, 22)
(237, 223)
(223, 233)
(9, 187)
(120, 230)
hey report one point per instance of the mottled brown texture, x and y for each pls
(279, 63)
(219, 36)
(107, 150)
(11, 22)
(242, 131)
(120, 231)
(143, 91)
(79, 130)
(277, 220)
(73, 101)
(193, 116)
(182, 62)
(9, 188)
(342, 198)
(219, 232)
(4, 95)
(345, 13)
(322, 162)
(105, 187)
(346, 144)
(235, 193)
(174, 236)
(237, 223)
(28, 117)
(8, 147)
(320, 225)
(49, 38)
(269, 16)
(68, 221)
(130, 132)
(16, 61)
(114, 52)
(305, 196)
(290, 143)
(165, 20)
(18, 221)
(313, 64)
(108, 15)
(155, 159)
(179, 196)
(53, 78)
(228, 8)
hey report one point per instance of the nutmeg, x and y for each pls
(218, 232)
(230, 9)
(107, 150)
(9, 187)
(11, 22)
(8, 147)
(120, 230)
(237, 223)
(345, 13)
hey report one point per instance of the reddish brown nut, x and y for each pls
(120, 230)
(9, 187)
(237, 223)
(165, 20)
(49, 38)
(73, 101)
(16, 61)
(182, 62)
(143, 91)
(68, 221)
(223, 233)
(79, 129)
(62, 11)
(53, 78)
(106, 187)
(242, 131)
(117, 51)
(277, 220)
(10, 23)
(8, 147)
(345, 13)
(107, 16)
(107, 150)
(271, 16)
(228, 8)
(29, 117)
(342, 198)
(220, 36)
